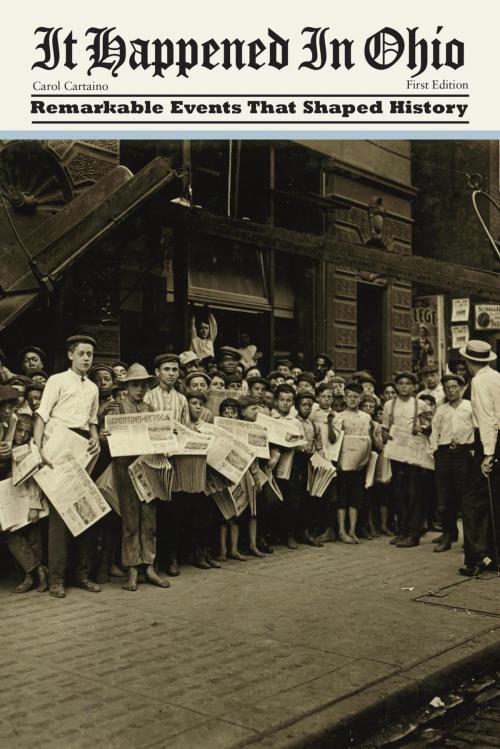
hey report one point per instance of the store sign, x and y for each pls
(459, 336)
(487, 316)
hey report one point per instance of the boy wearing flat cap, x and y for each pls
(432, 386)
(284, 398)
(404, 411)
(164, 397)
(351, 484)
(71, 398)
(451, 442)
(8, 420)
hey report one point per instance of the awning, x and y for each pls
(62, 238)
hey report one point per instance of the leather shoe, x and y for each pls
(407, 543)
(173, 568)
(264, 547)
(437, 540)
(444, 544)
(200, 561)
(211, 561)
(89, 586)
(57, 591)
(470, 571)
(397, 539)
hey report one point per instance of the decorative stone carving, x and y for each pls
(376, 219)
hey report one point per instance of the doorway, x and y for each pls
(370, 329)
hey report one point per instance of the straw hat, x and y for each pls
(478, 351)
(137, 372)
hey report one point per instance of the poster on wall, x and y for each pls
(428, 333)
(459, 336)
(487, 316)
(460, 309)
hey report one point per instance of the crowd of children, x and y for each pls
(149, 540)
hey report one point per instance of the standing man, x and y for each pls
(451, 443)
(480, 526)
(71, 398)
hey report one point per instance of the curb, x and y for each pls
(355, 717)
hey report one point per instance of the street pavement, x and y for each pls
(267, 653)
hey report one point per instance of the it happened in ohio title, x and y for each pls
(321, 49)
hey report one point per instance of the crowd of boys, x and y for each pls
(148, 541)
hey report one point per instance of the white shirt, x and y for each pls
(356, 423)
(485, 401)
(174, 403)
(403, 414)
(452, 425)
(437, 393)
(70, 398)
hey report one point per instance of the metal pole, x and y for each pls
(493, 524)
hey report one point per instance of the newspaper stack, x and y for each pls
(283, 432)
(320, 475)
(215, 481)
(107, 485)
(26, 461)
(370, 471)
(233, 499)
(189, 459)
(189, 473)
(152, 477)
(283, 469)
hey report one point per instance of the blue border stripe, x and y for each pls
(215, 134)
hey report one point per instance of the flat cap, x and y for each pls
(34, 349)
(162, 358)
(406, 375)
(230, 351)
(79, 338)
(8, 393)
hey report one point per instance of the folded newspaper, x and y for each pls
(140, 434)
(227, 454)
(284, 432)
(253, 434)
(370, 471)
(331, 450)
(321, 473)
(408, 448)
(58, 440)
(354, 453)
(16, 502)
(73, 494)
(26, 460)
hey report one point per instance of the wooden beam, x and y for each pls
(445, 277)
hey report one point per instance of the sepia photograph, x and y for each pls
(344, 294)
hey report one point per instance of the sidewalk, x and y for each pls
(267, 653)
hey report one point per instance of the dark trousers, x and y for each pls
(290, 508)
(169, 527)
(407, 486)
(476, 510)
(351, 489)
(60, 539)
(298, 489)
(25, 545)
(199, 519)
(453, 474)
